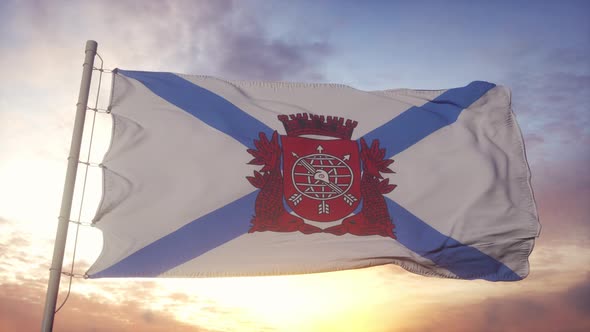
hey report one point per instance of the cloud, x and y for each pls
(535, 311)
(547, 85)
(573, 57)
(21, 308)
(210, 37)
(14, 247)
(256, 58)
(248, 54)
(562, 190)
(578, 297)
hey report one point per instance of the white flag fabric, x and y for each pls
(207, 177)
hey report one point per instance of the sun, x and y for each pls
(336, 301)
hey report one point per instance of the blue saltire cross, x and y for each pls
(395, 136)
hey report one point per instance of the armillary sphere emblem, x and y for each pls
(322, 177)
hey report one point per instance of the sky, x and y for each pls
(539, 49)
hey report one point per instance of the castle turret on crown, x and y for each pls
(312, 124)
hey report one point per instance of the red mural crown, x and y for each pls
(311, 124)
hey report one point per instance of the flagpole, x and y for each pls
(68, 193)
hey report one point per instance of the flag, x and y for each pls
(207, 177)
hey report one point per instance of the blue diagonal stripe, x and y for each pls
(205, 105)
(188, 242)
(464, 261)
(416, 123)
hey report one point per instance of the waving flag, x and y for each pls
(207, 177)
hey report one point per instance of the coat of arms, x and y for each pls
(322, 175)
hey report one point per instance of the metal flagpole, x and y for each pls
(68, 193)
